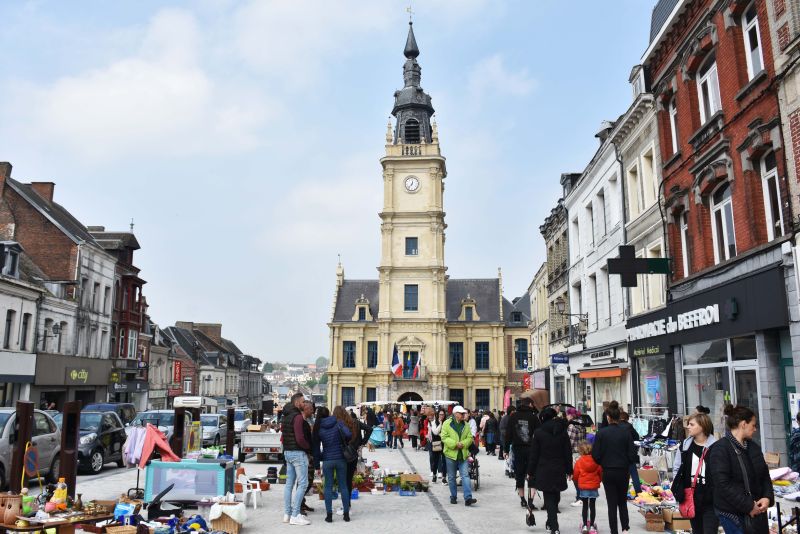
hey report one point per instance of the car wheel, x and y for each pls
(55, 467)
(216, 440)
(96, 462)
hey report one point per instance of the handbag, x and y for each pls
(437, 445)
(349, 452)
(750, 525)
(687, 506)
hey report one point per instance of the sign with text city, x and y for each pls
(76, 376)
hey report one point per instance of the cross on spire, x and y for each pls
(410, 13)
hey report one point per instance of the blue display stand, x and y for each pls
(193, 480)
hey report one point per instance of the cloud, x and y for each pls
(159, 100)
(491, 76)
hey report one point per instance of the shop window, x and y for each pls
(752, 41)
(705, 352)
(348, 354)
(722, 223)
(652, 381)
(559, 388)
(520, 354)
(482, 399)
(348, 396)
(744, 348)
(772, 196)
(673, 124)
(372, 354)
(482, 356)
(684, 222)
(708, 387)
(456, 356)
(457, 396)
(708, 90)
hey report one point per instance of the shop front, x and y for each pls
(133, 391)
(62, 378)
(600, 375)
(18, 372)
(561, 380)
(717, 346)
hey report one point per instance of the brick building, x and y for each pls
(710, 67)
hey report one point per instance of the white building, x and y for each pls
(598, 359)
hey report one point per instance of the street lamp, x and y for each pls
(576, 333)
(561, 305)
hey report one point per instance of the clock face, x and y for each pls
(412, 184)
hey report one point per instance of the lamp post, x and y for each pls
(561, 305)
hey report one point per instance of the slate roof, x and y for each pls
(54, 211)
(187, 340)
(116, 240)
(485, 292)
(660, 15)
(522, 305)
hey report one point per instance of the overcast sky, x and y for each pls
(244, 138)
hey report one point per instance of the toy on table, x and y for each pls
(58, 502)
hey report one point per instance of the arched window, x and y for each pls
(752, 41)
(412, 131)
(708, 89)
(722, 224)
(772, 196)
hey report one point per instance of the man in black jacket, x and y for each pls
(296, 437)
(519, 433)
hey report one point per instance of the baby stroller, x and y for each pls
(474, 468)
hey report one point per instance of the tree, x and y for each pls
(322, 361)
(268, 368)
(324, 378)
(311, 383)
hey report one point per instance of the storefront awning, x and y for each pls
(601, 373)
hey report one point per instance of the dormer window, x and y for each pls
(468, 310)
(516, 317)
(362, 313)
(10, 258)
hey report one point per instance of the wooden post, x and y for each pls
(176, 443)
(70, 433)
(23, 426)
(230, 436)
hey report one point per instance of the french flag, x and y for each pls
(397, 367)
(417, 367)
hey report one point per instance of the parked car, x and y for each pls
(163, 419)
(214, 428)
(124, 410)
(241, 418)
(101, 437)
(44, 434)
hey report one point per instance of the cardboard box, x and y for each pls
(653, 522)
(673, 520)
(650, 477)
(772, 459)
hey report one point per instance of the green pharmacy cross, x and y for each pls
(628, 266)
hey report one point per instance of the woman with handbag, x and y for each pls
(436, 446)
(399, 430)
(333, 434)
(742, 487)
(691, 487)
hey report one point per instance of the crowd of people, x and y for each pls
(719, 482)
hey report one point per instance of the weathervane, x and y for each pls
(410, 13)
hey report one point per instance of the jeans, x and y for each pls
(615, 484)
(729, 526)
(466, 484)
(637, 483)
(551, 500)
(340, 467)
(389, 438)
(296, 471)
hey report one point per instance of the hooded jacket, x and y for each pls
(586, 473)
(521, 425)
(550, 458)
(329, 437)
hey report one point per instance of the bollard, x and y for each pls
(70, 433)
(176, 443)
(230, 436)
(23, 426)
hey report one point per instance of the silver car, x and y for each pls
(44, 434)
(214, 427)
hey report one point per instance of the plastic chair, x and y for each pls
(249, 488)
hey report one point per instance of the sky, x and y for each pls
(243, 138)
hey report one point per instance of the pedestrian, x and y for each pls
(634, 467)
(794, 446)
(689, 471)
(332, 434)
(424, 432)
(550, 463)
(519, 434)
(457, 438)
(473, 427)
(613, 451)
(296, 447)
(742, 486)
(413, 428)
(587, 476)
(308, 419)
(360, 436)
(505, 446)
(388, 426)
(490, 430)
(399, 430)
(436, 447)
(577, 435)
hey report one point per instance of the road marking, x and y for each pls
(446, 519)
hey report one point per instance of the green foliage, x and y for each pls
(322, 361)
(323, 379)
(267, 368)
(311, 383)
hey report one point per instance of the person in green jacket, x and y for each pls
(456, 439)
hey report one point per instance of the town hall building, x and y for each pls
(471, 343)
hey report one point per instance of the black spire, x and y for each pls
(411, 51)
(412, 105)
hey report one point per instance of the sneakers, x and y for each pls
(593, 529)
(576, 503)
(299, 520)
(585, 529)
(433, 478)
(470, 501)
(444, 481)
(453, 500)
(285, 518)
(339, 510)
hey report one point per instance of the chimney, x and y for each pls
(605, 129)
(44, 190)
(212, 330)
(5, 174)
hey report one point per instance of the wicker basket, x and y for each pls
(223, 523)
(121, 529)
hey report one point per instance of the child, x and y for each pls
(587, 476)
